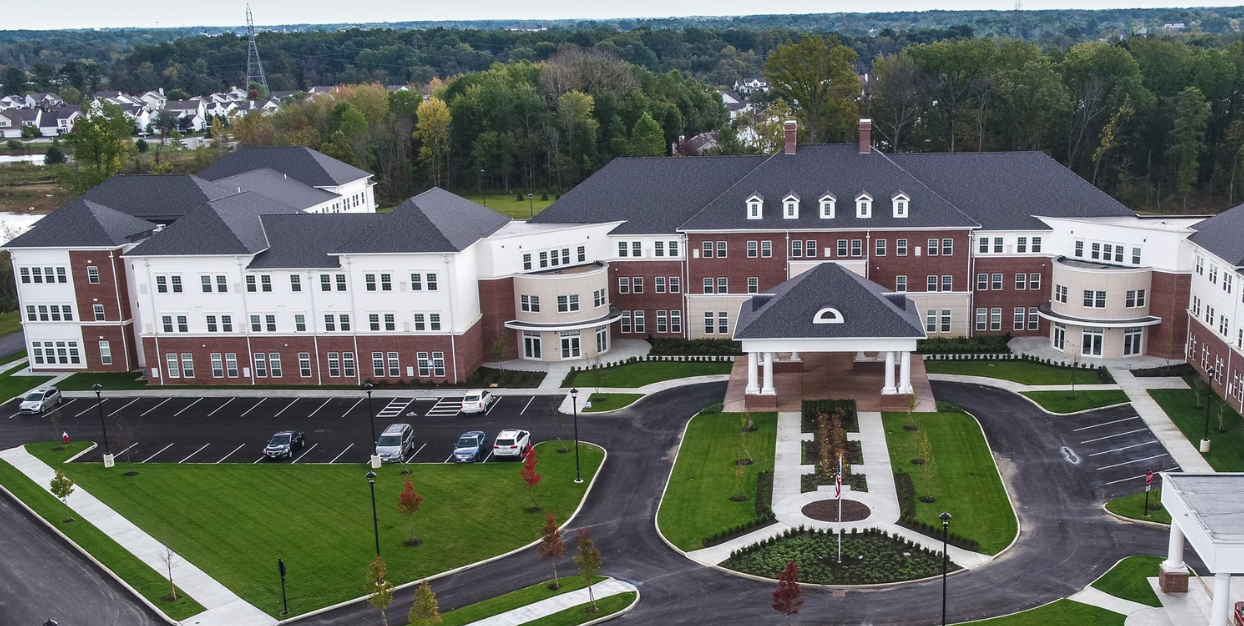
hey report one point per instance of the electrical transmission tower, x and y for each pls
(254, 68)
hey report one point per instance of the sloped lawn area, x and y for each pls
(643, 373)
(1062, 402)
(1226, 453)
(1019, 370)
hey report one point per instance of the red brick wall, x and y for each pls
(1232, 362)
(496, 302)
(111, 283)
(649, 301)
(736, 266)
(1168, 299)
(119, 339)
(1009, 297)
(884, 269)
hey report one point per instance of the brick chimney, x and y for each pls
(866, 136)
(792, 130)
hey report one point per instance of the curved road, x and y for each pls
(1066, 539)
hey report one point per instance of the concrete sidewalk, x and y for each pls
(1180, 449)
(224, 608)
(549, 606)
(1014, 386)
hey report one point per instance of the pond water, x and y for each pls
(37, 159)
(14, 224)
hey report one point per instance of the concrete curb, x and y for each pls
(624, 611)
(1132, 520)
(1019, 526)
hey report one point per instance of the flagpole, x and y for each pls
(839, 490)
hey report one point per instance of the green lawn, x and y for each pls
(110, 381)
(611, 401)
(506, 203)
(515, 599)
(1063, 613)
(1127, 579)
(1024, 372)
(697, 502)
(10, 322)
(645, 373)
(578, 614)
(1062, 402)
(234, 521)
(965, 481)
(1133, 506)
(133, 571)
(1226, 453)
(11, 386)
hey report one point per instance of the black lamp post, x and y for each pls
(574, 403)
(375, 524)
(1209, 398)
(481, 187)
(99, 404)
(945, 517)
(531, 205)
(371, 416)
(280, 566)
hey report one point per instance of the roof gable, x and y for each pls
(1223, 235)
(228, 226)
(83, 224)
(433, 221)
(154, 197)
(297, 162)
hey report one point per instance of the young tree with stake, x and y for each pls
(379, 591)
(61, 487)
(408, 503)
(589, 560)
(531, 477)
(788, 596)
(426, 610)
(551, 546)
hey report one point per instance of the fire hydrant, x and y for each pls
(64, 437)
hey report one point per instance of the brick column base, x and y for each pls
(1173, 582)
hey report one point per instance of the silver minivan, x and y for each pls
(395, 443)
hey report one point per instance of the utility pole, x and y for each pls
(254, 68)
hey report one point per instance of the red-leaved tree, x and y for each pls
(408, 503)
(551, 546)
(531, 477)
(787, 598)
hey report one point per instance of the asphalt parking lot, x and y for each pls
(235, 430)
(1116, 445)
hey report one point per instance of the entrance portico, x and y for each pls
(1207, 511)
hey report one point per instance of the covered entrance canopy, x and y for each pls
(1207, 511)
(828, 309)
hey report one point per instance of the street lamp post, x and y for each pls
(574, 403)
(531, 204)
(375, 524)
(371, 421)
(1209, 398)
(481, 187)
(945, 517)
(99, 404)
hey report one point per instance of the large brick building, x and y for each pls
(274, 268)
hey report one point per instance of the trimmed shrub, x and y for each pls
(979, 344)
(694, 347)
(1178, 369)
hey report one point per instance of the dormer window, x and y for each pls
(863, 206)
(755, 207)
(828, 202)
(827, 315)
(900, 203)
(790, 207)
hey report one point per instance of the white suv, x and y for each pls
(477, 401)
(512, 443)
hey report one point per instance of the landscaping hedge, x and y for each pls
(677, 346)
(764, 494)
(868, 557)
(812, 408)
(991, 344)
(764, 513)
(907, 514)
(1178, 369)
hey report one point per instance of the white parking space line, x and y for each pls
(144, 413)
(188, 407)
(446, 407)
(1124, 448)
(450, 458)
(351, 407)
(1123, 480)
(304, 453)
(1134, 417)
(253, 408)
(157, 453)
(487, 457)
(125, 450)
(92, 406)
(15, 415)
(61, 406)
(494, 404)
(427, 399)
(533, 399)
(123, 408)
(222, 459)
(343, 452)
(1130, 432)
(220, 407)
(394, 408)
(1148, 458)
(260, 459)
(317, 410)
(278, 413)
(194, 453)
(412, 457)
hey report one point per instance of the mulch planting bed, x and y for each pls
(827, 510)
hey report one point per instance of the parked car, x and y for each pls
(470, 447)
(511, 443)
(477, 401)
(395, 442)
(283, 444)
(40, 399)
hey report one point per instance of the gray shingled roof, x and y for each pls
(274, 185)
(1003, 190)
(1223, 235)
(299, 163)
(83, 224)
(308, 240)
(787, 311)
(156, 198)
(653, 195)
(433, 221)
(226, 226)
(840, 169)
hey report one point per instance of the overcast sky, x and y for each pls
(102, 14)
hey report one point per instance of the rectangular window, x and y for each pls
(857, 247)
(344, 321)
(809, 248)
(390, 322)
(231, 364)
(176, 280)
(424, 364)
(334, 365)
(1096, 255)
(1021, 281)
(997, 245)
(326, 282)
(673, 247)
(622, 249)
(563, 304)
(945, 320)
(187, 364)
(982, 319)
(173, 367)
(708, 285)
(1018, 321)
(1021, 246)
(1034, 319)
(706, 250)
(995, 318)
(637, 249)
(526, 261)
(161, 284)
(330, 323)
(723, 323)
(675, 321)
(996, 281)
(710, 326)
(251, 285)
(304, 364)
(624, 284)
(1034, 281)
(982, 282)
(377, 364)
(274, 364)
(721, 249)
(660, 284)
(421, 323)
(341, 284)
(92, 275)
(948, 247)
(61, 275)
(222, 285)
(183, 325)
(658, 248)
(373, 321)
(723, 285)
(25, 272)
(674, 284)
(369, 282)
(295, 282)
(932, 248)
(880, 246)
(581, 251)
(598, 296)
(211, 324)
(261, 364)
(639, 321)
(256, 324)
(930, 321)
(984, 245)
(930, 283)
(300, 323)
(626, 322)
(1095, 299)
(948, 283)
(766, 249)
(270, 323)
(207, 283)
(637, 284)
(395, 366)
(438, 364)
(753, 249)
(900, 283)
(1060, 293)
(265, 283)
(386, 282)
(662, 322)
(753, 285)
(32, 316)
(99, 312)
(796, 248)
(347, 363)
(900, 247)
(105, 353)
(1135, 255)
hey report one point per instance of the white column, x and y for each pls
(767, 389)
(904, 375)
(794, 357)
(753, 372)
(889, 374)
(1220, 613)
(1175, 551)
(859, 355)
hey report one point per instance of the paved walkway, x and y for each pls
(1040, 347)
(224, 608)
(1014, 386)
(1180, 449)
(1095, 597)
(549, 606)
(648, 389)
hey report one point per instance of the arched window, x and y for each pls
(827, 315)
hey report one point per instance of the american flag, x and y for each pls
(838, 480)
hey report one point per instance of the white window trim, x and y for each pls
(901, 200)
(759, 207)
(829, 205)
(863, 206)
(790, 207)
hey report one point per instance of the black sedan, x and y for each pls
(283, 444)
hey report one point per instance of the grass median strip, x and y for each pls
(963, 478)
(512, 600)
(1063, 402)
(632, 375)
(698, 502)
(1226, 434)
(1133, 507)
(1060, 612)
(1127, 580)
(1020, 371)
(611, 401)
(235, 521)
(578, 614)
(128, 567)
